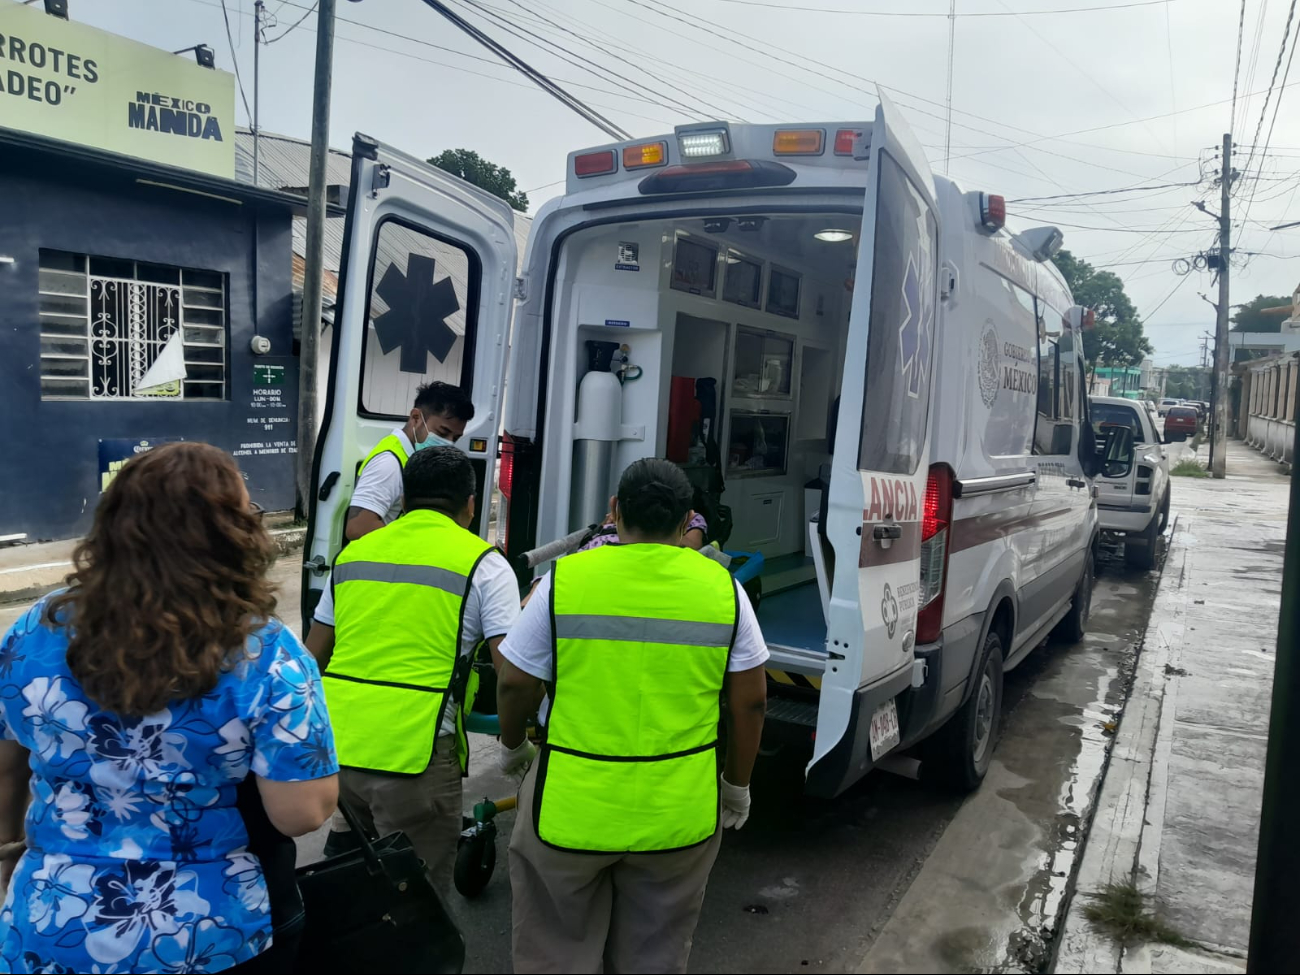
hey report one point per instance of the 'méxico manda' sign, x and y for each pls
(68, 81)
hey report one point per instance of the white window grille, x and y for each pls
(118, 329)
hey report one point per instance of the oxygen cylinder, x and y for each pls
(598, 429)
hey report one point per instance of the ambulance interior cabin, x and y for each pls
(733, 329)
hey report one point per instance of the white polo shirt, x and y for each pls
(491, 610)
(379, 488)
(529, 646)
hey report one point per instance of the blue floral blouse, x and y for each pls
(137, 857)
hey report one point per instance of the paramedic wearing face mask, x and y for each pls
(437, 419)
(621, 816)
(394, 634)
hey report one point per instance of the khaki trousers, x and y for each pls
(580, 912)
(426, 807)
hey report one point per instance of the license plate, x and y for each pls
(884, 730)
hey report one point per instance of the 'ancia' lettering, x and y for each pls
(894, 498)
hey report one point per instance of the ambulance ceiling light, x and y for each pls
(833, 236)
(702, 143)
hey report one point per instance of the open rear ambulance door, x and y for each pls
(425, 293)
(880, 462)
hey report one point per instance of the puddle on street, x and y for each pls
(1084, 687)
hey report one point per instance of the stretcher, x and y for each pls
(476, 852)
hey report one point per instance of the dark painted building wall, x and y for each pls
(50, 481)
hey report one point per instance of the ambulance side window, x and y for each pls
(420, 317)
(1058, 384)
(896, 400)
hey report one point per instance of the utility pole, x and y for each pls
(257, 81)
(1274, 935)
(1219, 386)
(313, 272)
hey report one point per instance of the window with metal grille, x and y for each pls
(118, 329)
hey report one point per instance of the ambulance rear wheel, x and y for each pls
(959, 754)
(476, 858)
(1074, 624)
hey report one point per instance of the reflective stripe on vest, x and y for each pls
(642, 635)
(397, 639)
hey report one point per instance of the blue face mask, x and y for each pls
(431, 439)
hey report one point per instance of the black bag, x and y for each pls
(374, 910)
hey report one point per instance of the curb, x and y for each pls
(29, 583)
(1113, 848)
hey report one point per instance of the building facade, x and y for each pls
(141, 301)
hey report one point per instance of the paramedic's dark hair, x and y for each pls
(440, 478)
(444, 399)
(654, 496)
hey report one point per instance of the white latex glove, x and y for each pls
(514, 762)
(735, 805)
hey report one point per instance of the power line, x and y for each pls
(608, 44)
(526, 69)
(1277, 66)
(1121, 189)
(1276, 107)
(1236, 72)
(582, 62)
(296, 24)
(911, 13)
(230, 39)
(1181, 282)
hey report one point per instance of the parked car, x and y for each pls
(1133, 493)
(1165, 405)
(1181, 422)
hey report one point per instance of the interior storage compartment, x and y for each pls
(731, 334)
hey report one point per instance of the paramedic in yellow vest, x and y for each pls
(393, 634)
(437, 419)
(621, 815)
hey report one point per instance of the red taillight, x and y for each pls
(594, 163)
(993, 211)
(936, 519)
(844, 139)
(506, 477)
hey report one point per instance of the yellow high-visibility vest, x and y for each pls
(391, 444)
(642, 636)
(399, 594)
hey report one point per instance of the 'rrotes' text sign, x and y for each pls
(68, 81)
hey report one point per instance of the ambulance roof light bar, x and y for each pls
(709, 141)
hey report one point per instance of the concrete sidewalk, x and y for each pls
(28, 572)
(1178, 814)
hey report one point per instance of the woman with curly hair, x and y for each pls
(134, 704)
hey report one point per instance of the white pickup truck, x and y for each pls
(1133, 499)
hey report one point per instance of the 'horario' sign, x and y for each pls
(79, 84)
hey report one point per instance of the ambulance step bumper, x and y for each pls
(791, 711)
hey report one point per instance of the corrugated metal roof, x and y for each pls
(285, 162)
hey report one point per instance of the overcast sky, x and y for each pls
(1045, 102)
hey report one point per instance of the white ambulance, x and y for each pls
(880, 379)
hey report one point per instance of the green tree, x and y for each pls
(1187, 382)
(473, 168)
(1250, 317)
(1118, 338)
